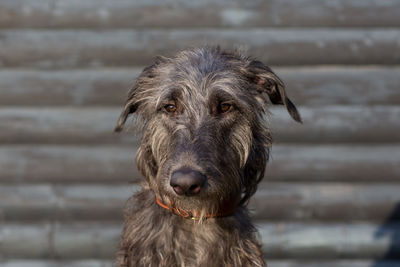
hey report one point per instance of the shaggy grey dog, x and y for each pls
(203, 151)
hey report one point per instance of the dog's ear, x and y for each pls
(129, 107)
(135, 95)
(266, 81)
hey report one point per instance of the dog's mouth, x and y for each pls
(199, 214)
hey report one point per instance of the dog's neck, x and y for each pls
(155, 236)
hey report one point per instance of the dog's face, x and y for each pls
(205, 140)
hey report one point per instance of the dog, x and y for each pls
(204, 148)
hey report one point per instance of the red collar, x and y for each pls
(196, 215)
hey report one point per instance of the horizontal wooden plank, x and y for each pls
(359, 240)
(68, 164)
(90, 164)
(94, 125)
(68, 241)
(333, 263)
(271, 263)
(68, 125)
(281, 240)
(335, 163)
(175, 13)
(58, 263)
(338, 124)
(66, 203)
(83, 48)
(333, 201)
(320, 85)
(323, 85)
(67, 87)
(273, 201)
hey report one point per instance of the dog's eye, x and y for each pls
(170, 108)
(224, 107)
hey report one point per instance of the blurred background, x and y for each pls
(331, 196)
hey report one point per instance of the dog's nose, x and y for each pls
(187, 182)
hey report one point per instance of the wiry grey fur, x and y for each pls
(229, 148)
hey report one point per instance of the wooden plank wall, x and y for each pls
(331, 195)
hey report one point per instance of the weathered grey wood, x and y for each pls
(271, 263)
(333, 263)
(75, 48)
(65, 203)
(97, 242)
(93, 164)
(68, 125)
(54, 240)
(274, 201)
(290, 240)
(320, 85)
(336, 162)
(56, 164)
(25, 241)
(221, 13)
(341, 124)
(67, 87)
(323, 85)
(333, 201)
(59, 263)
(94, 125)
(331, 241)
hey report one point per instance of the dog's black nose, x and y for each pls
(187, 182)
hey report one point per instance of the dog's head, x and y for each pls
(205, 138)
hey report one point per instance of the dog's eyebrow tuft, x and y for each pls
(222, 94)
(165, 97)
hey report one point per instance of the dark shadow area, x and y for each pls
(390, 228)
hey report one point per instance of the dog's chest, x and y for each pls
(192, 244)
(205, 244)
